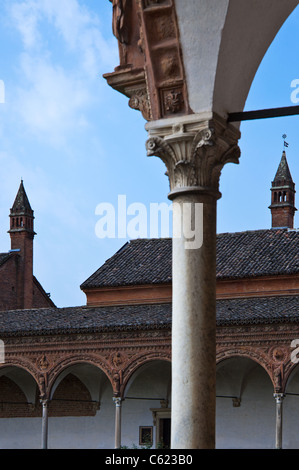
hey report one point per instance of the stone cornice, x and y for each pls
(129, 295)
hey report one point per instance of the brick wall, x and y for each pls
(283, 217)
(40, 298)
(13, 402)
(71, 398)
(8, 284)
(23, 241)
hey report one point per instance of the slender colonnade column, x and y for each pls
(279, 406)
(194, 327)
(194, 152)
(44, 403)
(118, 403)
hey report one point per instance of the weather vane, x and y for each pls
(285, 144)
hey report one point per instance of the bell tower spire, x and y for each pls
(21, 236)
(283, 195)
(21, 215)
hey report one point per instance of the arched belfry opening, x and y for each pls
(188, 67)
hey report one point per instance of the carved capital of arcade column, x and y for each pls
(194, 152)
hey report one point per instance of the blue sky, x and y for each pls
(76, 143)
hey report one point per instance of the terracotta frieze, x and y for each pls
(151, 71)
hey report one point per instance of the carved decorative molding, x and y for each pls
(149, 45)
(172, 101)
(139, 100)
(119, 354)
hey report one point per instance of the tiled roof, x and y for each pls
(239, 255)
(43, 321)
(258, 310)
(258, 253)
(79, 319)
(138, 262)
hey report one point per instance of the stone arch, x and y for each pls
(19, 392)
(259, 27)
(218, 58)
(61, 369)
(219, 46)
(143, 368)
(250, 363)
(290, 373)
(248, 353)
(72, 397)
(147, 398)
(244, 401)
(21, 364)
(139, 362)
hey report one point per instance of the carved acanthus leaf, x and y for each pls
(194, 159)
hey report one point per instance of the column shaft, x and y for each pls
(44, 424)
(194, 153)
(194, 329)
(279, 405)
(117, 401)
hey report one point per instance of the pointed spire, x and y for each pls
(21, 204)
(283, 175)
(21, 213)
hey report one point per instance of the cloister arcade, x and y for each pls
(81, 412)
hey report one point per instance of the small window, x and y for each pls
(146, 436)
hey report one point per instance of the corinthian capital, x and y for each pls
(194, 152)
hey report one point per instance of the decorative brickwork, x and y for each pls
(118, 354)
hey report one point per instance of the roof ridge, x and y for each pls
(252, 231)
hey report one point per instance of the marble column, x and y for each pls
(118, 404)
(279, 405)
(44, 403)
(194, 152)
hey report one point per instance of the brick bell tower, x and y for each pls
(283, 196)
(22, 235)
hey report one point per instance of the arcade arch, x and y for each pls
(245, 408)
(146, 405)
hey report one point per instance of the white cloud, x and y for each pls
(80, 31)
(53, 102)
(79, 28)
(25, 17)
(60, 70)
